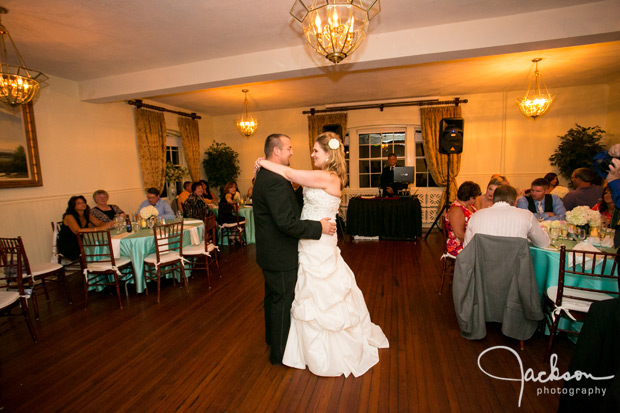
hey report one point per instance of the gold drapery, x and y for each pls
(438, 163)
(316, 123)
(190, 138)
(151, 136)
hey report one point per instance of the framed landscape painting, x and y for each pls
(19, 154)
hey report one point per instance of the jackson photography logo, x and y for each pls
(543, 377)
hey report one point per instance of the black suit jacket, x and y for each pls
(277, 223)
(387, 180)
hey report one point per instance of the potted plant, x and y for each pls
(221, 164)
(577, 148)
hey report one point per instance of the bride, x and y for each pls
(331, 332)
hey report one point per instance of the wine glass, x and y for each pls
(555, 233)
(579, 234)
(540, 216)
(564, 230)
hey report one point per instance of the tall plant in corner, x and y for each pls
(577, 148)
(221, 164)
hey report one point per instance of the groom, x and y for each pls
(278, 228)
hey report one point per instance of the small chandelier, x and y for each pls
(537, 103)
(18, 84)
(335, 28)
(247, 124)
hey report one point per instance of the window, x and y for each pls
(374, 148)
(174, 150)
(423, 178)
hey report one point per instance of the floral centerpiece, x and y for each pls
(148, 214)
(174, 174)
(584, 217)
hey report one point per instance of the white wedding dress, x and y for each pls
(331, 332)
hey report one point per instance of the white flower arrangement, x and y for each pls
(333, 143)
(583, 215)
(148, 212)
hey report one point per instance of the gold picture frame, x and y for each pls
(19, 152)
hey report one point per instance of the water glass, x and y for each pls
(564, 230)
(579, 234)
(555, 233)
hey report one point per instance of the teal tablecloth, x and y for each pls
(140, 244)
(247, 213)
(547, 268)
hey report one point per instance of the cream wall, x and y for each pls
(82, 147)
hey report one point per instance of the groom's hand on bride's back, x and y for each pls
(328, 227)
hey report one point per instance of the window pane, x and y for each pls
(375, 166)
(364, 167)
(400, 162)
(399, 150)
(375, 151)
(364, 152)
(364, 181)
(431, 182)
(387, 138)
(375, 138)
(399, 137)
(375, 180)
(420, 165)
(364, 139)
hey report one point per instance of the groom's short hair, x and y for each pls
(273, 141)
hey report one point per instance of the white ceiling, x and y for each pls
(106, 45)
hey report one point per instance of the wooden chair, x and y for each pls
(584, 277)
(230, 224)
(12, 279)
(207, 248)
(99, 266)
(448, 260)
(168, 256)
(70, 266)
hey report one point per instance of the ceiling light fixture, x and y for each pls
(537, 103)
(18, 84)
(247, 124)
(335, 28)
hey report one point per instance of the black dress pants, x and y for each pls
(279, 296)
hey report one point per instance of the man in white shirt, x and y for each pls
(504, 219)
(162, 206)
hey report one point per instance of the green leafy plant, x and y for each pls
(577, 148)
(221, 164)
(175, 173)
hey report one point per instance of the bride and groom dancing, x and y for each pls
(315, 315)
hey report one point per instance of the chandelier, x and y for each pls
(18, 84)
(536, 103)
(335, 28)
(247, 124)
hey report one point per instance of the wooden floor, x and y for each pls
(205, 350)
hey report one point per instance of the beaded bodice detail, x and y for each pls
(318, 204)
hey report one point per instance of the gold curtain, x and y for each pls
(438, 163)
(151, 136)
(191, 145)
(316, 123)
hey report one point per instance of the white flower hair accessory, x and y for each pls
(333, 143)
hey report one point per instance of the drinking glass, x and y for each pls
(564, 230)
(555, 233)
(540, 216)
(579, 234)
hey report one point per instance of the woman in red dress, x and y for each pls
(458, 215)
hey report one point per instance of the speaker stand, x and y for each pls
(445, 206)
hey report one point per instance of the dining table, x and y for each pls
(546, 263)
(246, 212)
(139, 244)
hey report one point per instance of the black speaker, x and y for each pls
(337, 129)
(451, 135)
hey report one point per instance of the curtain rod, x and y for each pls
(381, 106)
(138, 104)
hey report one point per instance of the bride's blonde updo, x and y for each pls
(331, 143)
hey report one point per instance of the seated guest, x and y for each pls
(486, 200)
(585, 193)
(102, 211)
(606, 205)
(505, 220)
(228, 209)
(540, 202)
(391, 188)
(207, 195)
(251, 189)
(76, 217)
(182, 197)
(237, 196)
(458, 215)
(195, 206)
(554, 187)
(162, 206)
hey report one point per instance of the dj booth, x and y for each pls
(387, 217)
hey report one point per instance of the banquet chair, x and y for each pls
(8, 248)
(584, 277)
(70, 266)
(99, 266)
(231, 229)
(207, 248)
(168, 255)
(12, 280)
(449, 260)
